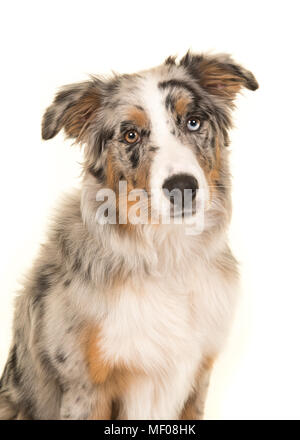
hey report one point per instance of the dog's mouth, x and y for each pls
(182, 204)
(177, 212)
(184, 214)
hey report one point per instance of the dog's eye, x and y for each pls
(131, 137)
(193, 124)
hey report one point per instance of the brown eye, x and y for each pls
(131, 137)
(193, 124)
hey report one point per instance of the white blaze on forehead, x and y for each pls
(154, 101)
(172, 157)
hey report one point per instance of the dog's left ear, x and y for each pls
(219, 74)
(72, 110)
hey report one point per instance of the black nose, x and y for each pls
(181, 182)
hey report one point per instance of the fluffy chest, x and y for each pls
(155, 325)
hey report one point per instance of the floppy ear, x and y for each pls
(73, 109)
(219, 74)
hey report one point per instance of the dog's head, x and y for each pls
(164, 130)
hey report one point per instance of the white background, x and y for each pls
(45, 44)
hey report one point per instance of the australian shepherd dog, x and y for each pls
(132, 295)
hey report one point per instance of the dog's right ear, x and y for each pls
(73, 109)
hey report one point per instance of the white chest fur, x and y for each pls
(165, 327)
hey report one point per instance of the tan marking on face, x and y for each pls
(205, 166)
(181, 106)
(110, 176)
(138, 117)
(211, 172)
(139, 180)
(215, 171)
(142, 176)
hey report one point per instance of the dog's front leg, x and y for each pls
(77, 401)
(82, 375)
(82, 401)
(194, 406)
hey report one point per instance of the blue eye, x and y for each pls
(193, 124)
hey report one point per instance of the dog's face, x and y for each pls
(163, 130)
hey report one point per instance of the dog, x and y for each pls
(124, 320)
